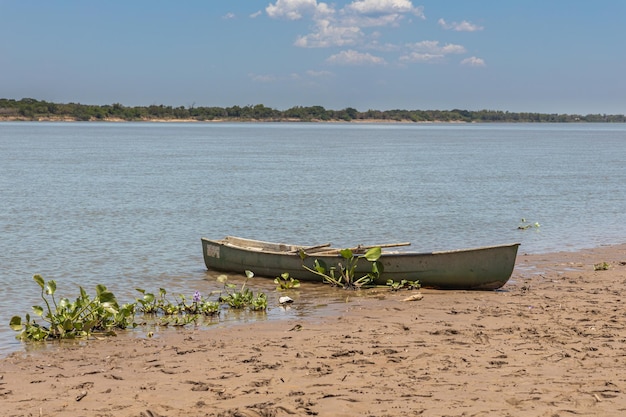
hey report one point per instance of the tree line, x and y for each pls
(31, 109)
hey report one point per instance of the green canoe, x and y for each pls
(482, 268)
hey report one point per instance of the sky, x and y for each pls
(545, 56)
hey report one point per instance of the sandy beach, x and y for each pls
(552, 342)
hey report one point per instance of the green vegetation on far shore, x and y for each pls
(28, 109)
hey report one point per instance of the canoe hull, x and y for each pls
(484, 268)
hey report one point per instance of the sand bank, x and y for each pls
(551, 343)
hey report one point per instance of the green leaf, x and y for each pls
(222, 279)
(107, 297)
(346, 253)
(100, 289)
(320, 266)
(68, 325)
(39, 280)
(249, 274)
(51, 287)
(16, 323)
(38, 310)
(373, 254)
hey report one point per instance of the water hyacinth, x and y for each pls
(197, 297)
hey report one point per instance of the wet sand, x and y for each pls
(551, 343)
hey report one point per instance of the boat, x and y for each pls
(480, 268)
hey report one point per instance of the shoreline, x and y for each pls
(12, 119)
(233, 120)
(551, 342)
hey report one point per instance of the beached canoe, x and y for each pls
(482, 268)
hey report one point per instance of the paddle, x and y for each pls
(384, 245)
(361, 248)
(310, 248)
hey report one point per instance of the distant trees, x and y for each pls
(31, 109)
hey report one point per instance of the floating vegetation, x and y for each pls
(101, 314)
(403, 285)
(285, 282)
(525, 225)
(243, 298)
(64, 319)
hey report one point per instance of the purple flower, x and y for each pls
(197, 297)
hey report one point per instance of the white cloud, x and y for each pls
(256, 14)
(369, 7)
(328, 34)
(346, 26)
(430, 51)
(373, 21)
(377, 13)
(351, 57)
(361, 24)
(228, 16)
(473, 62)
(297, 9)
(464, 26)
(434, 48)
(453, 49)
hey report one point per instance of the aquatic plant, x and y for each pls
(178, 320)
(525, 225)
(602, 266)
(198, 305)
(149, 304)
(63, 319)
(259, 303)
(244, 297)
(345, 275)
(403, 285)
(285, 282)
(66, 319)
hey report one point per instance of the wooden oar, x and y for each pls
(384, 245)
(310, 248)
(364, 248)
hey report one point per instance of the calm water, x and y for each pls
(125, 204)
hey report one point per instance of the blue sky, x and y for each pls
(564, 56)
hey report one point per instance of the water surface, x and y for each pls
(125, 204)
